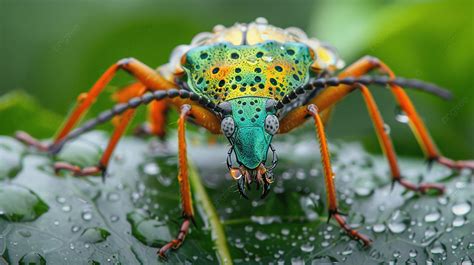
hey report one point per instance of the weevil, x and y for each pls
(250, 82)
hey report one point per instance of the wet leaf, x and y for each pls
(136, 210)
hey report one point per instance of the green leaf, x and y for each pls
(127, 218)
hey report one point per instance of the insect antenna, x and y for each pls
(326, 83)
(135, 102)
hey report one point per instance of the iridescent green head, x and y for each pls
(250, 123)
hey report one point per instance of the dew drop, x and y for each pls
(432, 216)
(429, 234)
(459, 221)
(347, 251)
(75, 228)
(438, 248)
(86, 215)
(378, 228)
(114, 218)
(32, 258)
(285, 231)
(261, 236)
(461, 208)
(24, 233)
(151, 169)
(324, 244)
(60, 199)
(94, 235)
(307, 247)
(398, 222)
(66, 208)
(401, 116)
(386, 128)
(19, 204)
(113, 197)
(363, 191)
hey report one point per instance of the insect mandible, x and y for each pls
(249, 82)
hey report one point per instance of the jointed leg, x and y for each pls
(329, 97)
(329, 178)
(101, 168)
(146, 75)
(387, 146)
(184, 186)
(367, 64)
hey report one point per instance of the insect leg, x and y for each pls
(146, 75)
(101, 168)
(387, 146)
(417, 125)
(329, 178)
(184, 186)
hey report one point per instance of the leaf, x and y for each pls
(136, 210)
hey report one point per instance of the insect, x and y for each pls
(249, 82)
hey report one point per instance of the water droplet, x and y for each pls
(438, 248)
(261, 236)
(307, 247)
(398, 222)
(297, 261)
(386, 128)
(433, 216)
(150, 232)
(285, 231)
(401, 116)
(248, 228)
(378, 228)
(239, 243)
(461, 208)
(60, 199)
(113, 197)
(24, 233)
(413, 253)
(66, 208)
(151, 169)
(114, 218)
(94, 235)
(75, 228)
(363, 191)
(429, 234)
(459, 221)
(86, 215)
(19, 204)
(324, 244)
(347, 251)
(32, 258)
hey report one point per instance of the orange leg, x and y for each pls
(329, 97)
(146, 75)
(329, 177)
(184, 186)
(101, 168)
(387, 147)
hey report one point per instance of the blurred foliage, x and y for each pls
(54, 50)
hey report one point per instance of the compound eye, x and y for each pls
(228, 126)
(272, 124)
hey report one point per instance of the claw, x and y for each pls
(78, 171)
(27, 139)
(241, 187)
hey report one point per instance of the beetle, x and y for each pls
(249, 82)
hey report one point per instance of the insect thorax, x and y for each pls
(224, 71)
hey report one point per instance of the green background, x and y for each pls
(54, 50)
